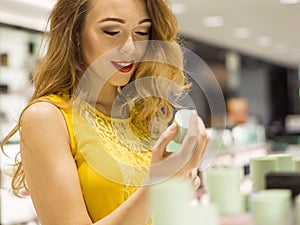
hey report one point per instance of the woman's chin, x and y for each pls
(119, 81)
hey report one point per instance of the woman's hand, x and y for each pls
(195, 179)
(186, 159)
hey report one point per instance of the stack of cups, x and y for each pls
(271, 206)
(260, 166)
(223, 186)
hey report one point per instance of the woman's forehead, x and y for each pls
(108, 8)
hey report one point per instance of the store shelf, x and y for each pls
(239, 155)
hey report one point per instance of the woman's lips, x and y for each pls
(123, 66)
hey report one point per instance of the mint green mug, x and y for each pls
(259, 167)
(284, 162)
(223, 187)
(272, 207)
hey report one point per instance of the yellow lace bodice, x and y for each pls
(111, 161)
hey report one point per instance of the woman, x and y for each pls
(58, 166)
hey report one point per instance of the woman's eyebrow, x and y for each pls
(122, 20)
(112, 19)
(145, 21)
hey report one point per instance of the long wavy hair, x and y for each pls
(62, 67)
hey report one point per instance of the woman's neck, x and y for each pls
(106, 99)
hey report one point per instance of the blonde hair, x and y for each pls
(61, 68)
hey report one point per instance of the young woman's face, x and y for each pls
(117, 25)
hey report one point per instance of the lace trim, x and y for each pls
(132, 153)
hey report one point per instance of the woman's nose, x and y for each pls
(128, 47)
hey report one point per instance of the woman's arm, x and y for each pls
(52, 178)
(51, 174)
(49, 167)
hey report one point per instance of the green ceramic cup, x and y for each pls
(170, 200)
(284, 162)
(296, 164)
(182, 118)
(272, 207)
(203, 214)
(259, 167)
(223, 186)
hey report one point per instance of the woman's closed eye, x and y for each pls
(111, 33)
(142, 33)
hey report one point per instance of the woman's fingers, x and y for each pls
(159, 149)
(196, 182)
(195, 179)
(186, 158)
(190, 140)
(195, 143)
(202, 142)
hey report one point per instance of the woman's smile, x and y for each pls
(124, 66)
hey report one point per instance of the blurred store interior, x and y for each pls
(252, 49)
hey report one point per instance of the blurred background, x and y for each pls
(252, 48)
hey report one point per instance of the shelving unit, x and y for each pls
(16, 46)
(16, 53)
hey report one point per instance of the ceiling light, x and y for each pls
(179, 8)
(289, 2)
(264, 41)
(242, 32)
(19, 20)
(213, 21)
(47, 4)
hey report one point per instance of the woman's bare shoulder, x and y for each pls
(43, 118)
(41, 111)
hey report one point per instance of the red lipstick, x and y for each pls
(123, 66)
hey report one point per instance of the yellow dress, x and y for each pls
(111, 162)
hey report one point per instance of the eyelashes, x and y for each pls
(111, 33)
(114, 33)
(141, 33)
